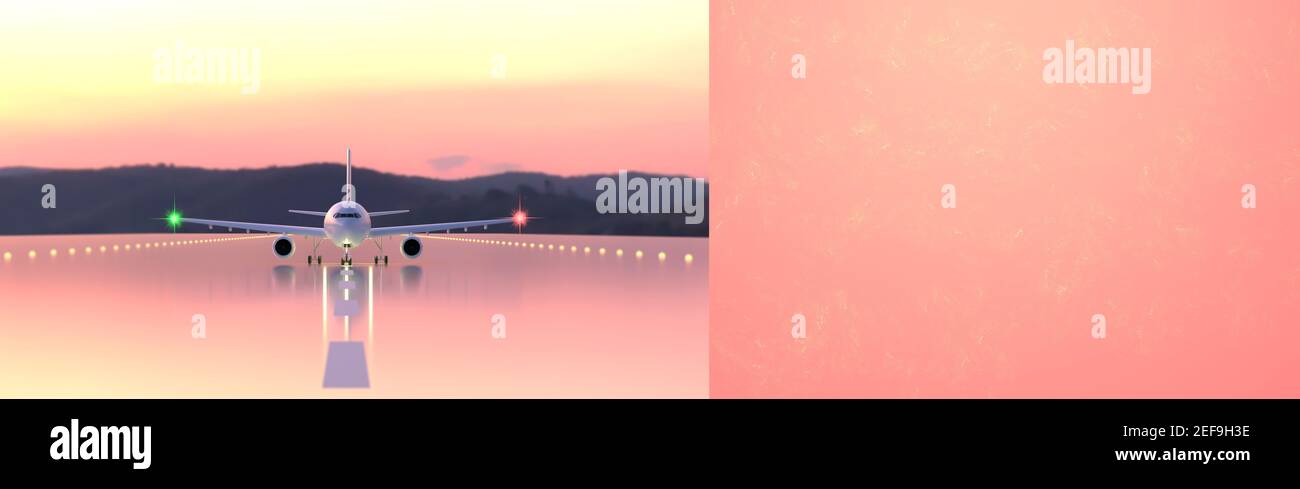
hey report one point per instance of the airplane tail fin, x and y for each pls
(351, 190)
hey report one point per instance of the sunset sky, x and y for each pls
(439, 89)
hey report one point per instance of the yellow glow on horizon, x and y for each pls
(89, 56)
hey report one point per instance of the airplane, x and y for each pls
(347, 225)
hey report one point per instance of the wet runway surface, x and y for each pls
(475, 315)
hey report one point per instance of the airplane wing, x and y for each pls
(309, 213)
(430, 228)
(253, 226)
(388, 213)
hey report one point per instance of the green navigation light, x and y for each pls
(174, 219)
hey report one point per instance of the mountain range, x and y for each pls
(129, 199)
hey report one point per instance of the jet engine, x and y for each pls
(283, 247)
(411, 247)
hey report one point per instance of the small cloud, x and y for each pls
(451, 162)
(499, 167)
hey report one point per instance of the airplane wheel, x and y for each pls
(385, 259)
(376, 260)
(309, 259)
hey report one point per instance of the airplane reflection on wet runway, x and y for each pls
(575, 322)
(345, 361)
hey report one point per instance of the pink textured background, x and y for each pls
(1072, 200)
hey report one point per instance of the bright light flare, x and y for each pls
(174, 218)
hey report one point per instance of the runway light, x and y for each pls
(8, 256)
(174, 219)
(72, 251)
(586, 250)
(114, 247)
(103, 248)
(639, 254)
(573, 249)
(663, 256)
(31, 255)
(88, 250)
(54, 252)
(602, 252)
(688, 258)
(550, 247)
(619, 252)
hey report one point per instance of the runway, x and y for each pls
(475, 315)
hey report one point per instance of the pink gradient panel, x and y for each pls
(1072, 200)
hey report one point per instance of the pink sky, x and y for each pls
(561, 129)
(441, 89)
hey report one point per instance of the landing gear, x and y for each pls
(379, 244)
(314, 247)
(347, 255)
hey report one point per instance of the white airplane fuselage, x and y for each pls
(347, 224)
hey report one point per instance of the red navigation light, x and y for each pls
(520, 216)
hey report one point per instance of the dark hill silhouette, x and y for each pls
(126, 199)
